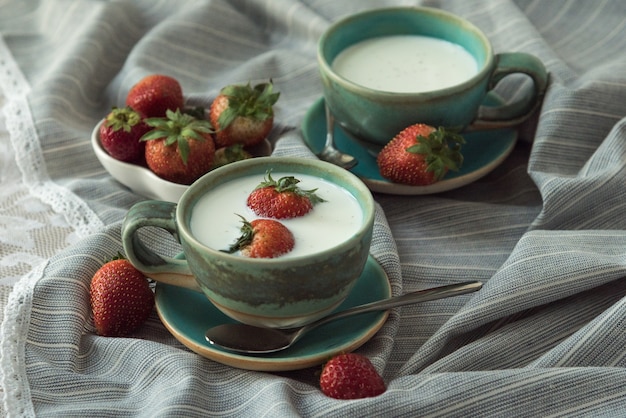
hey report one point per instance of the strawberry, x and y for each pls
(281, 199)
(243, 114)
(121, 299)
(263, 238)
(120, 132)
(351, 376)
(420, 155)
(154, 94)
(180, 148)
(227, 155)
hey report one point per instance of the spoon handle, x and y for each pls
(406, 299)
(330, 128)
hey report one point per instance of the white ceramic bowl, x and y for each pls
(143, 181)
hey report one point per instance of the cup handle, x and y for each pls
(513, 114)
(160, 268)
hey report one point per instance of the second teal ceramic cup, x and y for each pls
(377, 116)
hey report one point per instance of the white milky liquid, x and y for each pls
(214, 220)
(405, 64)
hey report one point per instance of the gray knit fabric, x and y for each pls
(545, 231)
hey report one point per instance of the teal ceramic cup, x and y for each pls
(376, 116)
(279, 292)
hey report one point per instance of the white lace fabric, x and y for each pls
(31, 230)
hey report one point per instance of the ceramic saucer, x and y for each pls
(144, 182)
(483, 152)
(188, 314)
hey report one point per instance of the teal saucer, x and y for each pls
(188, 314)
(483, 152)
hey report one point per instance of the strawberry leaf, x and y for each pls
(123, 118)
(227, 155)
(178, 128)
(183, 148)
(247, 233)
(441, 150)
(289, 184)
(227, 117)
(246, 101)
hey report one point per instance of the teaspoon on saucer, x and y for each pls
(330, 153)
(249, 339)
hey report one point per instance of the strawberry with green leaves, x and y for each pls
(351, 376)
(154, 94)
(120, 297)
(420, 155)
(179, 148)
(242, 114)
(231, 154)
(282, 198)
(120, 134)
(263, 238)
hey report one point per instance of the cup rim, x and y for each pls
(350, 85)
(188, 199)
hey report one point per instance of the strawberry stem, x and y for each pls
(441, 150)
(289, 184)
(123, 118)
(178, 128)
(245, 239)
(247, 101)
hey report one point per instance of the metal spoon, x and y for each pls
(249, 339)
(330, 153)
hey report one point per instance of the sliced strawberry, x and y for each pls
(282, 199)
(351, 376)
(120, 133)
(263, 238)
(242, 114)
(420, 155)
(121, 299)
(154, 94)
(180, 148)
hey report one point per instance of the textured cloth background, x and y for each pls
(545, 231)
